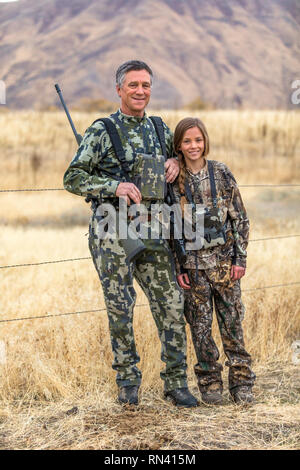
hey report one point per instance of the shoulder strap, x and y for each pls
(188, 192)
(212, 182)
(116, 143)
(159, 127)
(213, 189)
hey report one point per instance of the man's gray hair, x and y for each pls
(128, 67)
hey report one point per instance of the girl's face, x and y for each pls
(192, 145)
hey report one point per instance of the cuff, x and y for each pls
(239, 262)
(113, 186)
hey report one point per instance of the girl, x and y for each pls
(212, 273)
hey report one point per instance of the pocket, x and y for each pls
(214, 229)
(149, 173)
(221, 275)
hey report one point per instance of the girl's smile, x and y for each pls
(192, 147)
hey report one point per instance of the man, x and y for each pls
(97, 172)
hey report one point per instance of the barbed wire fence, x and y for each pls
(89, 257)
(7, 320)
(240, 186)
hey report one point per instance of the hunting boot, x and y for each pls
(212, 398)
(242, 395)
(129, 395)
(212, 395)
(181, 397)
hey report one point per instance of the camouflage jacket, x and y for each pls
(95, 169)
(233, 214)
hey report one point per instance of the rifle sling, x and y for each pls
(117, 145)
(158, 125)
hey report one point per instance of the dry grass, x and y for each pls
(257, 145)
(56, 364)
(97, 422)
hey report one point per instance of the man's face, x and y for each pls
(135, 92)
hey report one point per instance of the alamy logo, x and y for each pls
(136, 222)
(295, 96)
(2, 92)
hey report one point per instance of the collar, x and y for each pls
(200, 172)
(126, 118)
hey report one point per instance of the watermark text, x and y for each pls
(2, 92)
(295, 96)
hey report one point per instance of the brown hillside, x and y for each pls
(229, 53)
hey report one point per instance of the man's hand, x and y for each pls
(183, 281)
(130, 191)
(237, 272)
(172, 169)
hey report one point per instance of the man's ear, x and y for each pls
(118, 90)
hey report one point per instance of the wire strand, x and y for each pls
(89, 257)
(273, 238)
(60, 314)
(44, 262)
(267, 185)
(270, 287)
(23, 190)
(139, 305)
(263, 185)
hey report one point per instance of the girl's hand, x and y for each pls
(237, 272)
(183, 281)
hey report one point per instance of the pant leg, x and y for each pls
(199, 314)
(155, 273)
(116, 277)
(230, 313)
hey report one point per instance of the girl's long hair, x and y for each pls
(181, 128)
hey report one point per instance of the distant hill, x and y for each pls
(230, 53)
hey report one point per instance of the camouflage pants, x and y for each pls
(215, 285)
(154, 271)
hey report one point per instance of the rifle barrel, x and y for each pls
(77, 136)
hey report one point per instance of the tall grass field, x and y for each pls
(57, 387)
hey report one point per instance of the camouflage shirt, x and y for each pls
(233, 214)
(96, 171)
